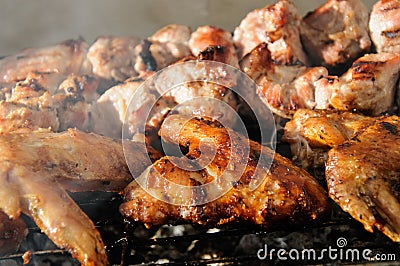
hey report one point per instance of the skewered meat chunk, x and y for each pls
(336, 33)
(384, 26)
(170, 44)
(368, 86)
(286, 194)
(114, 57)
(312, 133)
(208, 37)
(37, 167)
(284, 88)
(277, 25)
(64, 58)
(363, 176)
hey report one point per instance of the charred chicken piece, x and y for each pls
(208, 39)
(312, 133)
(37, 167)
(363, 176)
(277, 25)
(286, 194)
(336, 33)
(384, 26)
(368, 86)
(284, 88)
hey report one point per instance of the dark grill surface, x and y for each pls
(133, 244)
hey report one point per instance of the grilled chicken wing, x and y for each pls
(312, 133)
(363, 176)
(336, 33)
(277, 25)
(284, 88)
(368, 86)
(384, 26)
(37, 167)
(285, 194)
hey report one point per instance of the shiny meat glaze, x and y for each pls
(368, 86)
(37, 167)
(384, 26)
(336, 33)
(206, 37)
(363, 176)
(277, 25)
(284, 88)
(286, 194)
(312, 133)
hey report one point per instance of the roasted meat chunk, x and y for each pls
(369, 86)
(114, 57)
(312, 133)
(208, 38)
(284, 88)
(12, 233)
(277, 25)
(384, 26)
(336, 33)
(363, 176)
(285, 193)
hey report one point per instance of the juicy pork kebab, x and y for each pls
(285, 193)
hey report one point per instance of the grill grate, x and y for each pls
(133, 244)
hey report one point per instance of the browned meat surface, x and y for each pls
(114, 57)
(277, 25)
(220, 41)
(284, 88)
(37, 167)
(170, 44)
(286, 194)
(29, 105)
(312, 133)
(363, 176)
(336, 33)
(64, 58)
(384, 26)
(368, 86)
(12, 233)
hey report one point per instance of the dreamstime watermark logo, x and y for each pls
(333, 253)
(198, 89)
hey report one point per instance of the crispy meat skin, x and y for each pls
(286, 194)
(336, 32)
(284, 88)
(368, 86)
(277, 25)
(312, 133)
(37, 167)
(384, 26)
(363, 176)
